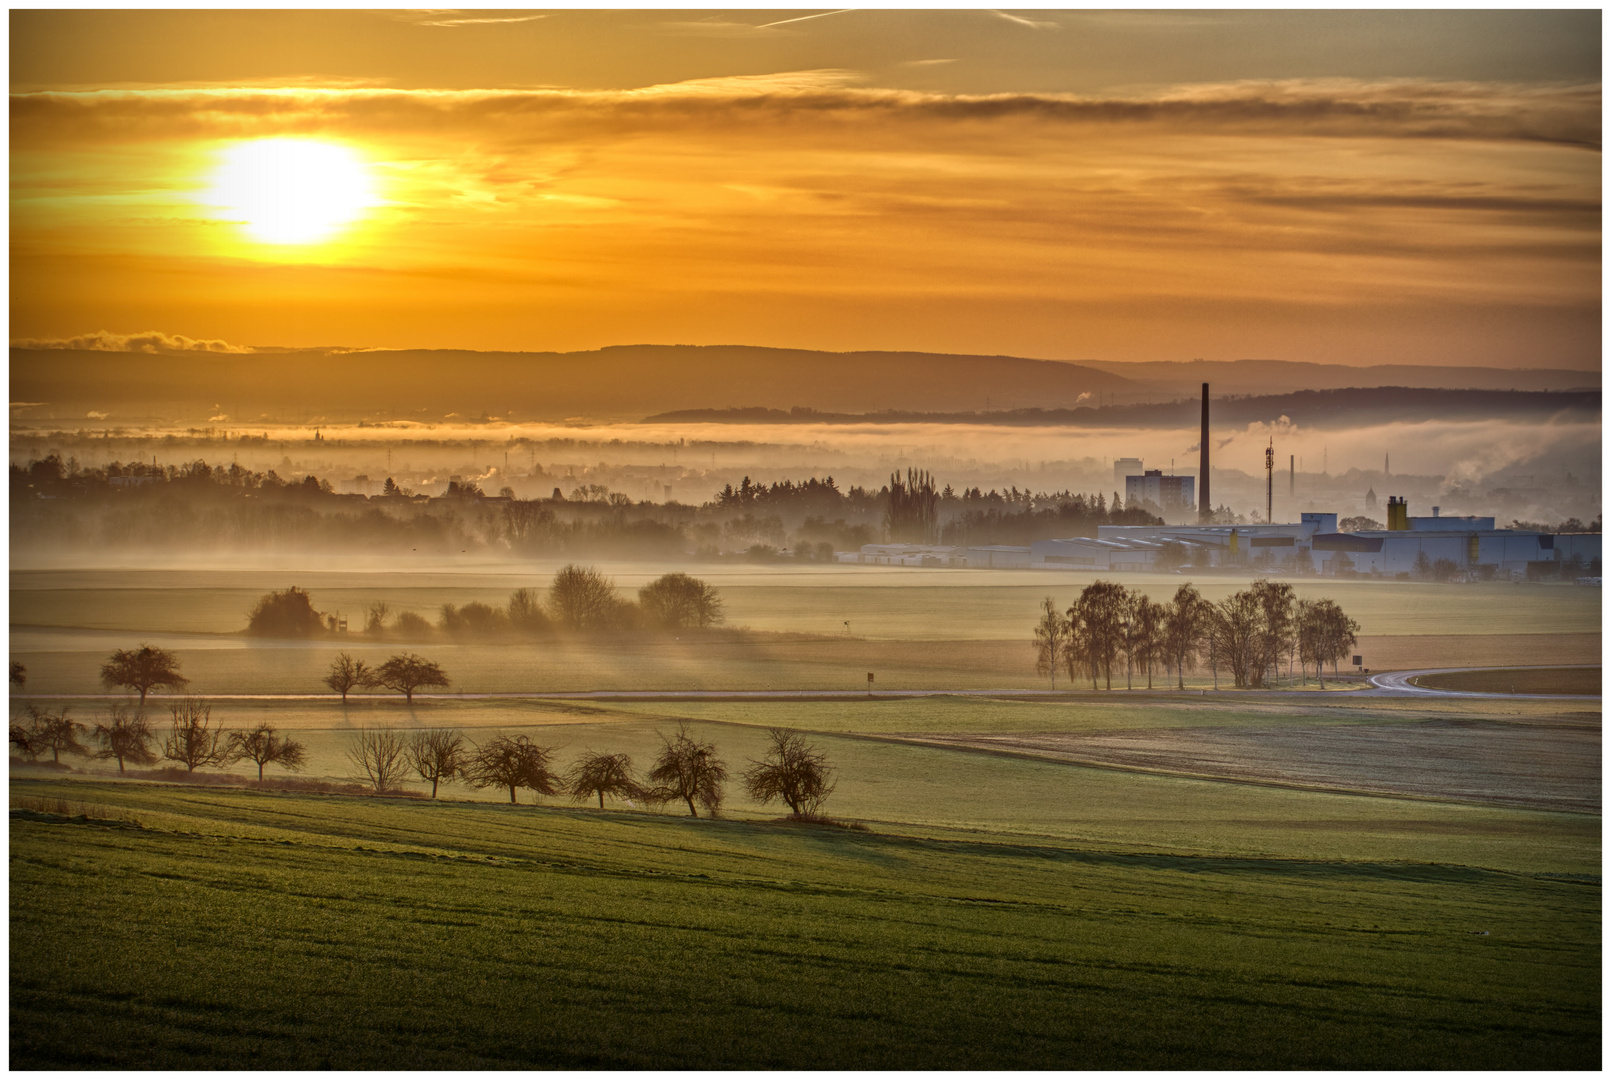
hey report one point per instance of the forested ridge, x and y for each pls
(197, 506)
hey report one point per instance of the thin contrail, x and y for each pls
(803, 18)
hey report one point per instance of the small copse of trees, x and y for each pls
(1250, 633)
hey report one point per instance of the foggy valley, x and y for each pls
(870, 539)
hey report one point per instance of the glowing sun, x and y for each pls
(291, 191)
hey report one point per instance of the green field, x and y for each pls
(283, 931)
(1004, 908)
(914, 629)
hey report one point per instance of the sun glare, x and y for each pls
(291, 191)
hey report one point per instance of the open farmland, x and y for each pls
(462, 936)
(915, 629)
(1095, 880)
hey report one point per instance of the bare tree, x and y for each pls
(512, 763)
(375, 623)
(193, 741)
(264, 746)
(144, 669)
(23, 738)
(406, 673)
(380, 756)
(581, 598)
(676, 601)
(1100, 615)
(437, 755)
(347, 674)
(794, 771)
(1053, 636)
(912, 515)
(126, 738)
(53, 731)
(689, 770)
(1148, 620)
(1324, 634)
(1183, 628)
(601, 775)
(526, 611)
(19, 674)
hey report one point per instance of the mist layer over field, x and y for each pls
(1503, 468)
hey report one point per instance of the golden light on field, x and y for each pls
(291, 191)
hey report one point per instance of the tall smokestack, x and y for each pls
(1205, 504)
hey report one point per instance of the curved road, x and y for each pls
(1398, 683)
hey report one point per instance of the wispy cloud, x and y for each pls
(1033, 24)
(452, 17)
(1313, 108)
(149, 341)
(803, 18)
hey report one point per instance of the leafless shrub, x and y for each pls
(689, 770)
(264, 746)
(192, 741)
(126, 738)
(602, 774)
(512, 763)
(437, 755)
(380, 756)
(793, 771)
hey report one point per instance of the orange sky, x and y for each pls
(1348, 187)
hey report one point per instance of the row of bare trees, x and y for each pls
(192, 740)
(686, 770)
(1250, 634)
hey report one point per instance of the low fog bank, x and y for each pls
(1539, 472)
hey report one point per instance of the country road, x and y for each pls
(1398, 684)
(1388, 684)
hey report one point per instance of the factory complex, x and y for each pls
(1427, 548)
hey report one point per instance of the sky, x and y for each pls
(1343, 187)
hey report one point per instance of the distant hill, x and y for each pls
(1349, 408)
(629, 382)
(1267, 377)
(621, 382)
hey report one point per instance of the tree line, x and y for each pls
(1249, 635)
(578, 599)
(197, 505)
(685, 770)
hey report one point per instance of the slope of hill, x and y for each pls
(1353, 407)
(628, 382)
(1267, 377)
(620, 382)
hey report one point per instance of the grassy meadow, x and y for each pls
(185, 929)
(1000, 910)
(913, 628)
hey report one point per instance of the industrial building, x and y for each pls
(1167, 492)
(1446, 547)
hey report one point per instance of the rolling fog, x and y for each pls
(1527, 471)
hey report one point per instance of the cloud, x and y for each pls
(803, 18)
(1021, 21)
(451, 17)
(150, 341)
(1326, 108)
(96, 414)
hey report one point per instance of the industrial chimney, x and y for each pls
(1205, 504)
